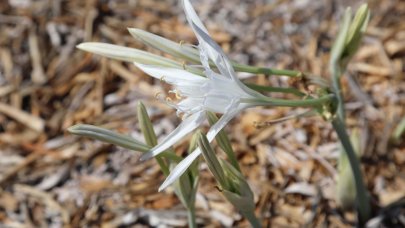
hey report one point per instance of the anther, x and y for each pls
(168, 100)
(157, 95)
(178, 95)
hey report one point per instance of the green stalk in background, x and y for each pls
(345, 46)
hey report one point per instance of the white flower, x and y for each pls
(219, 92)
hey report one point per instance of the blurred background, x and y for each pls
(49, 178)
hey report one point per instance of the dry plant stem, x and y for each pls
(361, 191)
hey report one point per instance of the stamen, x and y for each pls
(178, 95)
(162, 79)
(157, 95)
(183, 43)
(169, 100)
(183, 64)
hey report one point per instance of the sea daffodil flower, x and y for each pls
(220, 91)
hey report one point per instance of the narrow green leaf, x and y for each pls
(108, 136)
(146, 125)
(212, 160)
(150, 136)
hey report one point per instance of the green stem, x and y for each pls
(261, 88)
(361, 190)
(191, 218)
(315, 102)
(267, 71)
(337, 86)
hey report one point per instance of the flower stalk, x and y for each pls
(345, 46)
(310, 102)
(361, 190)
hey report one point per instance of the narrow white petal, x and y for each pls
(186, 162)
(207, 44)
(180, 169)
(214, 130)
(214, 52)
(126, 54)
(188, 125)
(190, 103)
(192, 16)
(170, 75)
(209, 49)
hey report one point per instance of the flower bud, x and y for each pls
(349, 36)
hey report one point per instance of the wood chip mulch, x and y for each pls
(49, 178)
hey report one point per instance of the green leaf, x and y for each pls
(108, 136)
(212, 160)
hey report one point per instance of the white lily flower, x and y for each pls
(219, 92)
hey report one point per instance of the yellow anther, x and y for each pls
(168, 99)
(181, 42)
(162, 79)
(157, 95)
(178, 95)
(183, 64)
